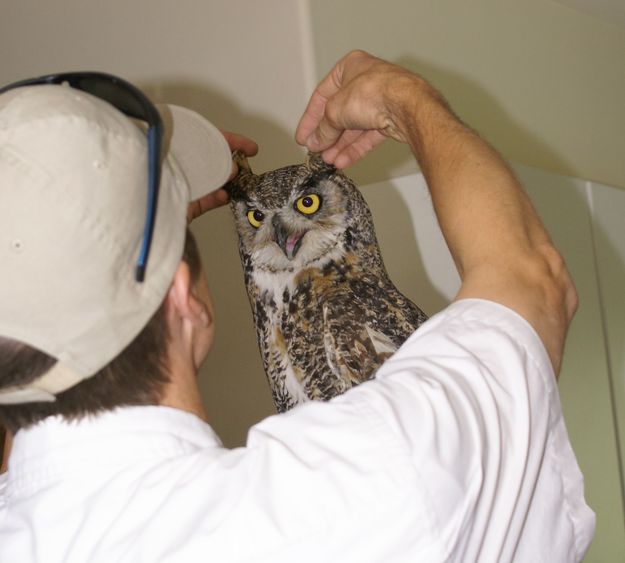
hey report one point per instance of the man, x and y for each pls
(457, 451)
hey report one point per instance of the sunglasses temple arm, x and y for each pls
(154, 137)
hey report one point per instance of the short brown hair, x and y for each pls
(137, 376)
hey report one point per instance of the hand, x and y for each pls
(219, 197)
(360, 103)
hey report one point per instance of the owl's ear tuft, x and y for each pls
(315, 163)
(245, 178)
(241, 161)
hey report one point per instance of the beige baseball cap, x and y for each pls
(73, 192)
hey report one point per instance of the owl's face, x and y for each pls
(291, 218)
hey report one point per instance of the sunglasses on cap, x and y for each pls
(132, 102)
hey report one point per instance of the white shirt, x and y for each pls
(456, 452)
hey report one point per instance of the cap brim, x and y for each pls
(198, 147)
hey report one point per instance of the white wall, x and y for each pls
(607, 206)
(542, 81)
(421, 266)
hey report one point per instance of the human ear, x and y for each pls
(183, 300)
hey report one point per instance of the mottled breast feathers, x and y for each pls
(325, 311)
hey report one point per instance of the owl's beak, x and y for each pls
(289, 242)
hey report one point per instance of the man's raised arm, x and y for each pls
(498, 243)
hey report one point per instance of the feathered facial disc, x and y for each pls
(289, 218)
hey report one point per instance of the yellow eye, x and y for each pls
(308, 204)
(255, 217)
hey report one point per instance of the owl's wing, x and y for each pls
(354, 348)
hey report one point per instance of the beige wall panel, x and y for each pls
(420, 265)
(608, 205)
(584, 382)
(543, 82)
(236, 62)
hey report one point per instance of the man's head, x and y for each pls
(73, 197)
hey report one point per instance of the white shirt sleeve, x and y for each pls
(473, 397)
(465, 419)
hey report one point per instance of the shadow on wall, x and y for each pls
(478, 109)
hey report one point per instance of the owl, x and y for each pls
(326, 313)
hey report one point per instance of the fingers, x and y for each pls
(220, 197)
(346, 116)
(352, 152)
(214, 199)
(241, 143)
(314, 130)
(315, 110)
(339, 146)
(347, 138)
(313, 114)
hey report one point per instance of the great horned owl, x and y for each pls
(326, 313)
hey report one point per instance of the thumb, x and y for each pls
(324, 136)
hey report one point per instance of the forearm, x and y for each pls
(482, 209)
(500, 247)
